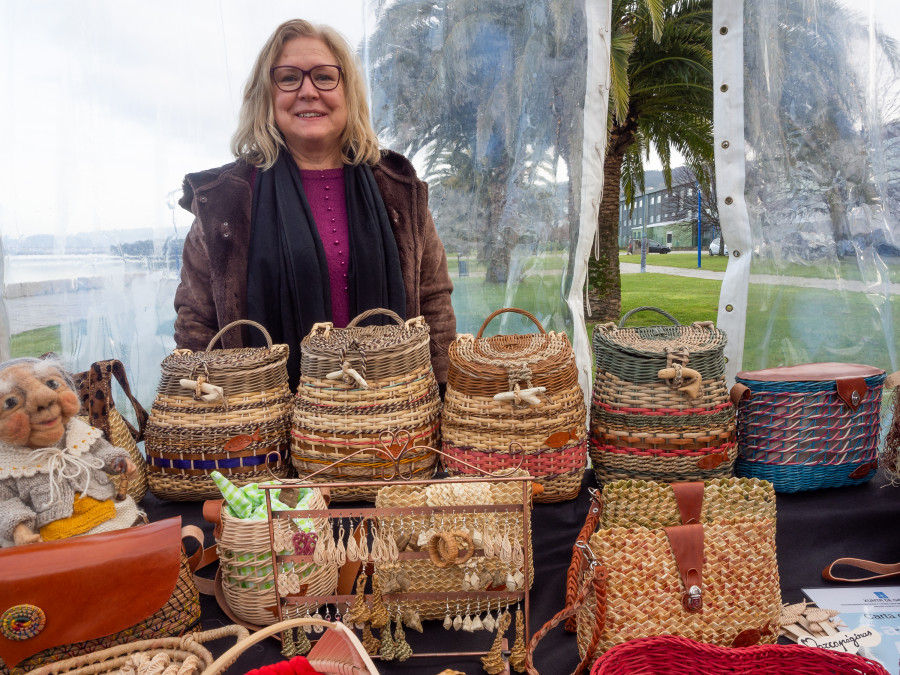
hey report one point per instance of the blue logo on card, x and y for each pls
(880, 595)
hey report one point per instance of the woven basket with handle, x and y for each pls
(660, 408)
(220, 410)
(522, 389)
(245, 564)
(355, 383)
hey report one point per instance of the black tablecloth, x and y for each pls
(814, 528)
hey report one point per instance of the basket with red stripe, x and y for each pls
(660, 408)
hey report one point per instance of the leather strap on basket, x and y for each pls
(689, 497)
(597, 580)
(576, 565)
(95, 391)
(852, 390)
(882, 571)
(686, 542)
(739, 392)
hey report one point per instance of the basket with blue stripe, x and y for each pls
(809, 426)
(225, 410)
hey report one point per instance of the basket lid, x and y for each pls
(375, 352)
(810, 372)
(186, 363)
(486, 366)
(700, 336)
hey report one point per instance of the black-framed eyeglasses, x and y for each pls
(289, 78)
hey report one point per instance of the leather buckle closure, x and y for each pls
(692, 600)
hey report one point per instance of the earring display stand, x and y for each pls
(448, 528)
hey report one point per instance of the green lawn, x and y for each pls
(36, 342)
(715, 263)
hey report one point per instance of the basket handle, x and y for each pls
(239, 322)
(596, 579)
(652, 309)
(372, 312)
(510, 309)
(351, 646)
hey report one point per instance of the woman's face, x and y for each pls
(311, 121)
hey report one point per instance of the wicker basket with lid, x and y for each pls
(516, 388)
(220, 410)
(660, 407)
(355, 383)
(809, 426)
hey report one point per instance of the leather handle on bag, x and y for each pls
(597, 580)
(118, 371)
(882, 571)
(576, 565)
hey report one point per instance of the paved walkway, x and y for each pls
(774, 279)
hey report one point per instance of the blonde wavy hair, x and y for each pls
(258, 140)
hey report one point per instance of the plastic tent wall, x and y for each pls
(807, 119)
(107, 105)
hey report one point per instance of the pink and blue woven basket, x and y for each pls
(810, 426)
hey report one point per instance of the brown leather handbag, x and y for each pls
(94, 388)
(73, 596)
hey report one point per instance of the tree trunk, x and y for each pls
(604, 283)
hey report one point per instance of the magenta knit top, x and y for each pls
(325, 193)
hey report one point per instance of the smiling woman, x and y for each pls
(296, 232)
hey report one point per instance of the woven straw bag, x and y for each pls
(220, 410)
(184, 655)
(94, 388)
(712, 582)
(810, 426)
(522, 389)
(660, 408)
(653, 505)
(690, 559)
(426, 577)
(356, 383)
(246, 571)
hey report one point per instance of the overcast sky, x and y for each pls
(106, 104)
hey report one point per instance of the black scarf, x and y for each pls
(287, 273)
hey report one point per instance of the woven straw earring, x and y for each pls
(359, 613)
(370, 642)
(379, 615)
(387, 651)
(517, 655)
(402, 650)
(493, 660)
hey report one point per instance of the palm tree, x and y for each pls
(660, 97)
(818, 144)
(468, 84)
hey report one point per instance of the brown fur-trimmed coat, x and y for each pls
(213, 289)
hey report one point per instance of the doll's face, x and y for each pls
(36, 403)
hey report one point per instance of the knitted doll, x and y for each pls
(52, 479)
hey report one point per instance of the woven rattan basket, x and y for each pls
(220, 410)
(424, 576)
(809, 426)
(356, 383)
(245, 564)
(522, 389)
(660, 408)
(682, 656)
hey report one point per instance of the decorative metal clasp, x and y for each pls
(692, 601)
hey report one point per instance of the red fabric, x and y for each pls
(298, 665)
